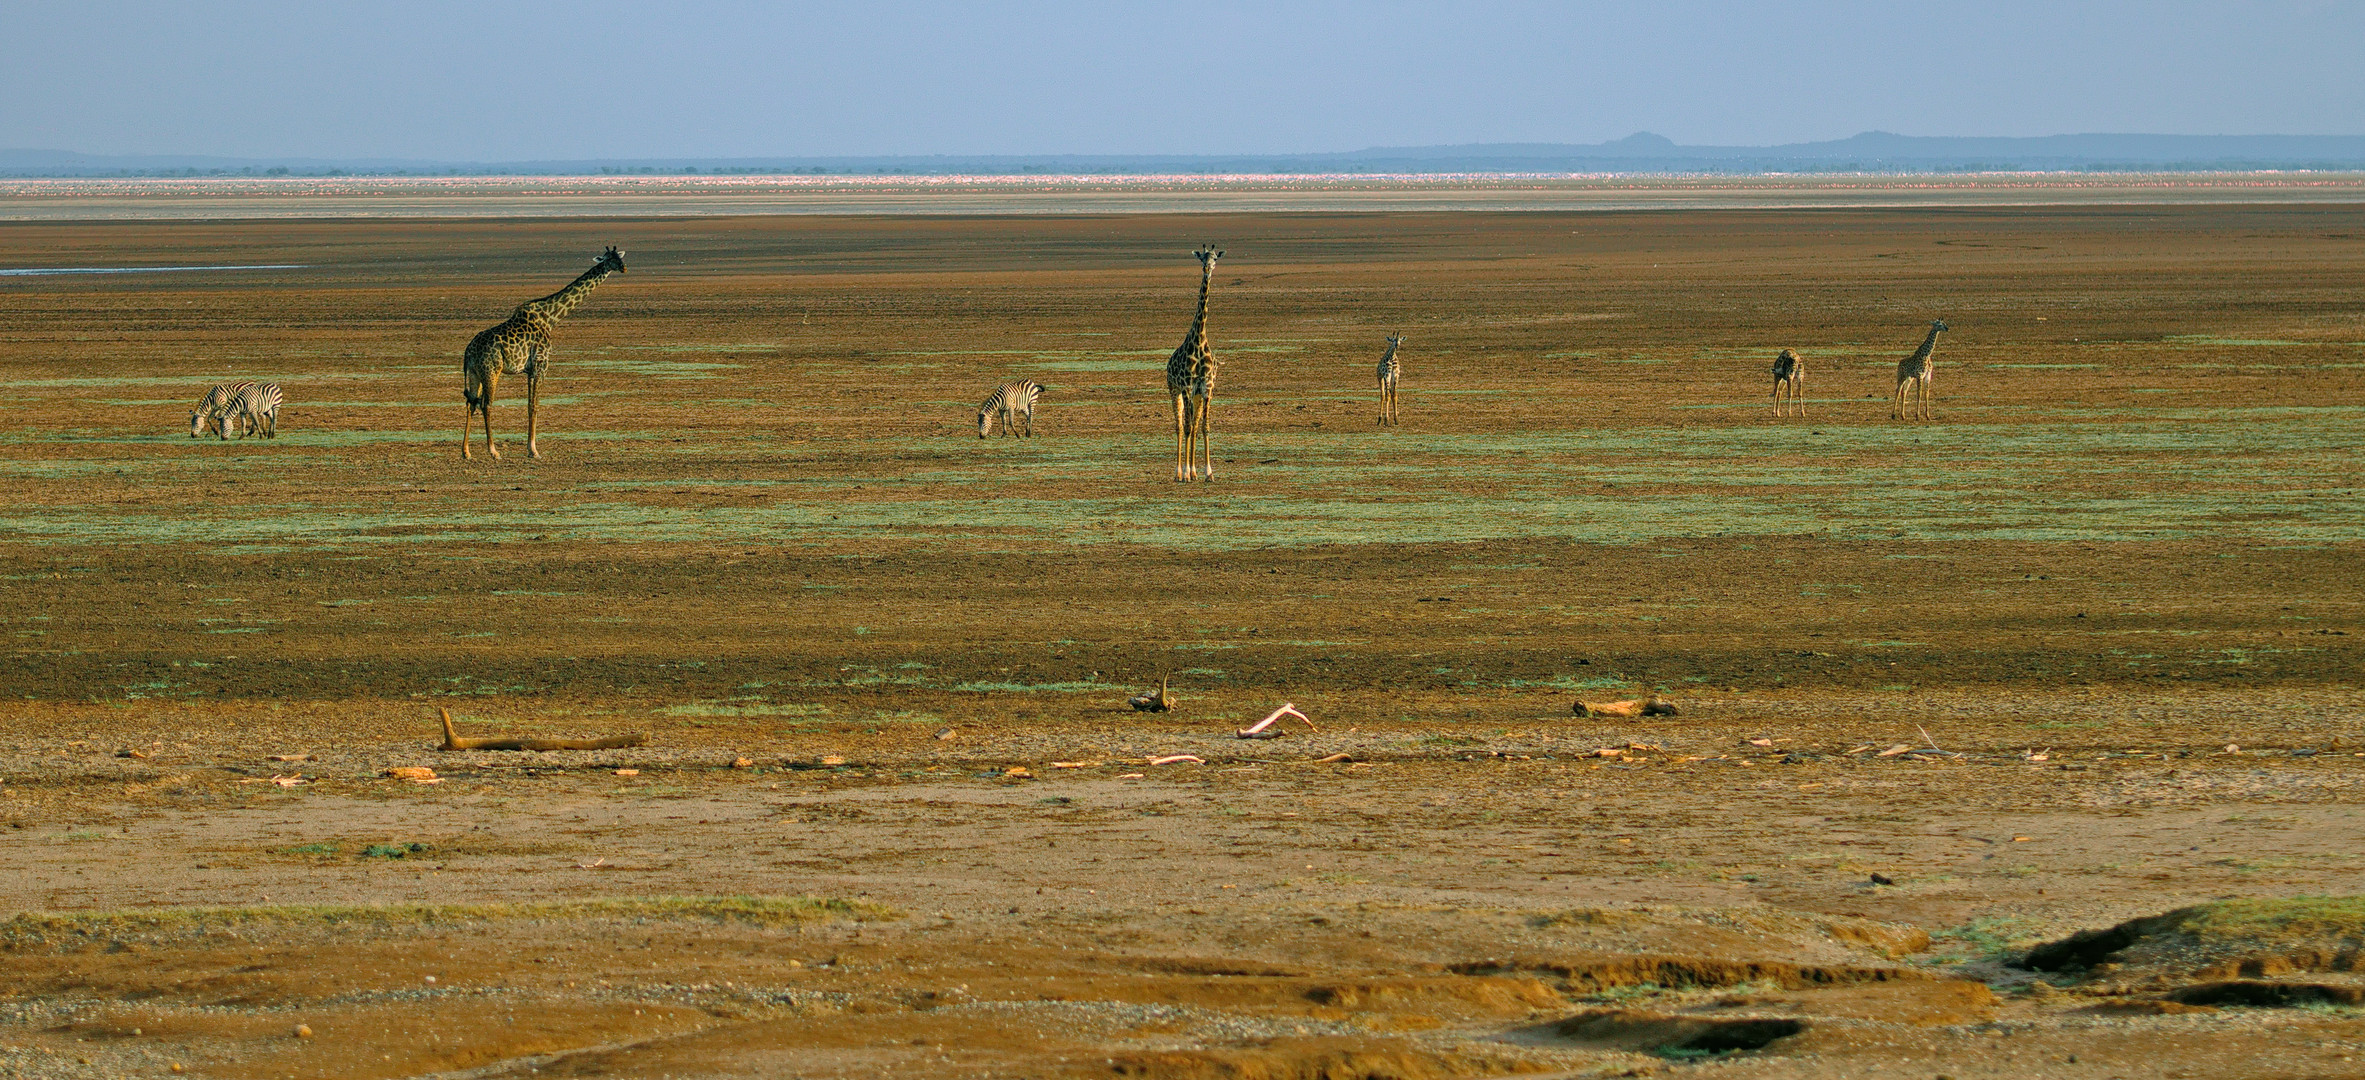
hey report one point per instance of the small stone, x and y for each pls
(628, 772)
(176, 1067)
(945, 735)
(832, 759)
(303, 1031)
(1017, 772)
(743, 763)
(430, 978)
(413, 773)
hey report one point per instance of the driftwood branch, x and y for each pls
(1257, 730)
(1649, 706)
(453, 740)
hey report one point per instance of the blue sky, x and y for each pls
(516, 81)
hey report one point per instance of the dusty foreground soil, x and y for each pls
(2081, 650)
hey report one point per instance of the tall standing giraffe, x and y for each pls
(1190, 380)
(521, 346)
(1389, 369)
(1914, 372)
(1789, 372)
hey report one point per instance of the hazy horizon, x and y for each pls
(449, 81)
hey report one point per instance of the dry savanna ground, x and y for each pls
(2082, 650)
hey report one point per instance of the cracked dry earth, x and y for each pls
(2100, 665)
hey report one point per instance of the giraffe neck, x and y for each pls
(1196, 340)
(550, 308)
(1389, 355)
(1929, 345)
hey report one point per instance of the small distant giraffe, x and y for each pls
(1190, 380)
(1914, 372)
(1389, 369)
(1789, 372)
(521, 346)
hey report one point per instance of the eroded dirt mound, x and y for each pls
(2225, 940)
(1315, 1059)
(1711, 930)
(1635, 1029)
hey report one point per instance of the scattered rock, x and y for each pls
(832, 759)
(303, 1031)
(417, 774)
(619, 772)
(743, 763)
(945, 735)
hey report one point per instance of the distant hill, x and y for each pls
(1870, 152)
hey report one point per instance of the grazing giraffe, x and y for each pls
(1914, 372)
(1190, 380)
(1389, 369)
(1789, 372)
(521, 346)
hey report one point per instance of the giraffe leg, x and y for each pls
(492, 379)
(1206, 457)
(1182, 446)
(533, 394)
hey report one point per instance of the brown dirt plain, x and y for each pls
(2117, 580)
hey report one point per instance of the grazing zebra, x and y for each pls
(1012, 403)
(254, 409)
(1389, 369)
(1789, 373)
(218, 402)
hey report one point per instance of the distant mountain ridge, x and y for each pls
(1642, 152)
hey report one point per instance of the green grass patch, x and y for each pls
(35, 927)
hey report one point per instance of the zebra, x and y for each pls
(1012, 403)
(208, 413)
(253, 408)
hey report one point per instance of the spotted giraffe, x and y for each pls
(521, 346)
(1913, 373)
(1190, 380)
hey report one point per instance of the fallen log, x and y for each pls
(1653, 705)
(1258, 730)
(453, 740)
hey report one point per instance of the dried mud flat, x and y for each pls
(2115, 585)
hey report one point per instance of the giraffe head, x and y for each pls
(1207, 255)
(1395, 340)
(1937, 325)
(611, 260)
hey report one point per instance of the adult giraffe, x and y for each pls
(1190, 380)
(521, 346)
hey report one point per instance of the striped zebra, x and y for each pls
(208, 413)
(251, 407)
(1012, 403)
